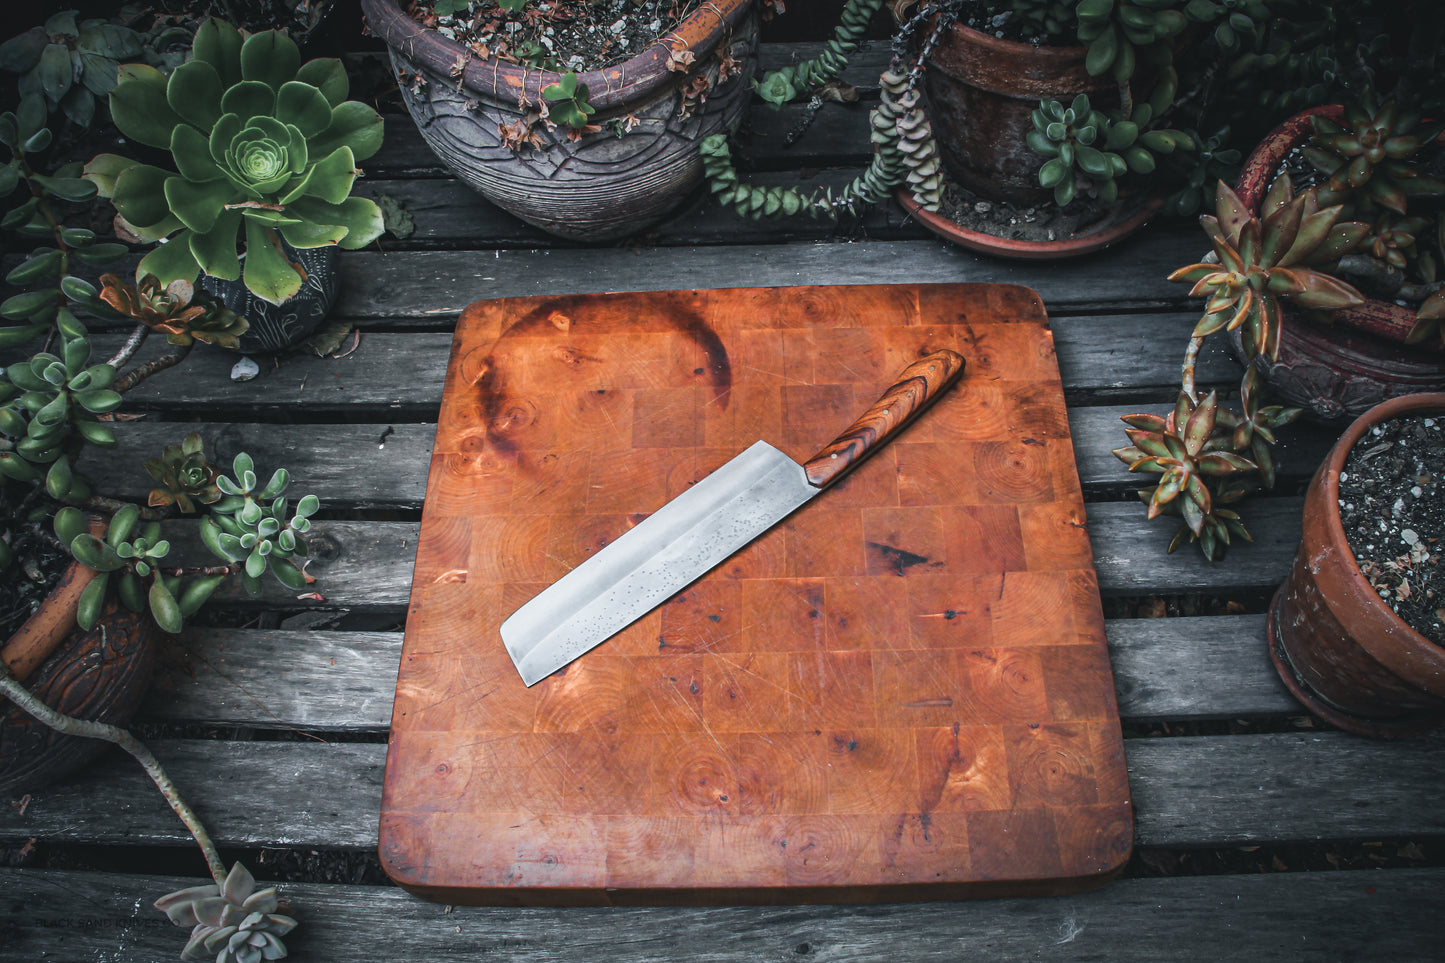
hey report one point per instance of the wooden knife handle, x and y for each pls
(916, 387)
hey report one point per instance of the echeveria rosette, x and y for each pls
(265, 149)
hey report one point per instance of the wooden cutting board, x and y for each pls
(901, 692)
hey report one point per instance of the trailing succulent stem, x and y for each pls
(904, 150)
(232, 921)
(1208, 456)
(789, 83)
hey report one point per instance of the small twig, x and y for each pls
(140, 373)
(72, 726)
(131, 346)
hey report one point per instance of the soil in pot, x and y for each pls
(574, 36)
(1392, 507)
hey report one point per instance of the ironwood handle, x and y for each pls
(916, 387)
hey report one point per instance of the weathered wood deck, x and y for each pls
(276, 730)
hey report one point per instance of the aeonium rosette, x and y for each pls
(265, 148)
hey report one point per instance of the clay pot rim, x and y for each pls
(1010, 67)
(608, 88)
(1407, 646)
(985, 243)
(1384, 320)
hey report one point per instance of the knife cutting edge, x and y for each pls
(702, 527)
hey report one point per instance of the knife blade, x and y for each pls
(699, 529)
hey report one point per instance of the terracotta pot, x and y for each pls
(99, 675)
(1340, 370)
(601, 186)
(276, 327)
(981, 93)
(1338, 647)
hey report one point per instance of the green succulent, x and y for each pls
(51, 403)
(180, 311)
(1261, 262)
(185, 476)
(567, 102)
(1191, 448)
(1370, 158)
(778, 87)
(1085, 146)
(1042, 18)
(68, 62)
(265, 149)
(250, 525)
(233, 922)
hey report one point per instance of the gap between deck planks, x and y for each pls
(1359, 916)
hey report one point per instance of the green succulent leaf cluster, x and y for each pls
(265, 147)
(1370, 158)
(252, 524)
(39, 212)
(787, 84)
(185, 475)
(1207, 457)
(51, 408)
(1088, 147)
(68, 62)
(1043, 18)
(128, 557)
(1377, 166)
(567, 102)
(1114, 30)
(231, 923)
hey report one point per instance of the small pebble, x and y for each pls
(244, 370)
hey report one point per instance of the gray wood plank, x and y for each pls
(316, 681)
(1358, 916)
(1284, 787)
(387, 375)
(384, 465)
(1188, 791)
(1196, 668)
(367, 565)
(439, 284)
(1176, 669)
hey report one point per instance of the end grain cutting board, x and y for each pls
(901, 692)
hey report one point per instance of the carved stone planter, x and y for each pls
(601, 186)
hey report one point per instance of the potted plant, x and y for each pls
(585, 152)
(90, 578)
(1337, 628)
(264, 150)
(1374, 160)
(1057, 132)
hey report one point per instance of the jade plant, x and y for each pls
(69, 62)
(264, 148)
(1081, 149)
(1207, 455)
